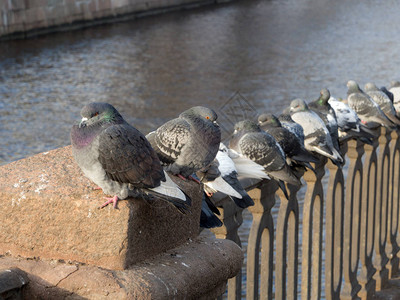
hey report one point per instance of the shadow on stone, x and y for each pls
(16, 284)
(156, 226)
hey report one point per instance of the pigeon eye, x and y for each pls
(96, 114)
(207, 117)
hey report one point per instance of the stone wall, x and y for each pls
(57, 243)
(30, 17)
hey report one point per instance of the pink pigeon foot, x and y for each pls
(97, 188)
(209, 194)
(113, 200)
(181, 177)
(194, 179)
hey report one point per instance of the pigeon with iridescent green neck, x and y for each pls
(324, 110)
(119, 159)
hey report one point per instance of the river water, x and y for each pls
(152, 68)
(155, 67)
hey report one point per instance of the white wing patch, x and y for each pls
(220, 185)
(169, 188)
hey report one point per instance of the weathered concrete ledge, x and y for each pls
(22, 18)
(49, 210)
(196, 270)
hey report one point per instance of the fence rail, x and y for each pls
(342, 242)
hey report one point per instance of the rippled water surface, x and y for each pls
(153, 68)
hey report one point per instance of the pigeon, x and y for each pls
(288, 123)
(290, 143)
(383, 101)
(213, 180)
(208, 218)
(367, 109)
(324, 110)
(389, 94)
(230, 174)
(246, 168)
(119, 159)
(188, 143)
(250, 141)
(317, 137)
(349, 124)
(395, 90)
(222, 177)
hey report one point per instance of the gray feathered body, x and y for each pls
(366, 108)
(186, 144)
(315, 132)
(327, 114)
(117, 169)
(384, 104)
(263, 149)
(288, 123)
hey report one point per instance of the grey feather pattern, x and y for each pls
(384, 102)
(127, 157)
(170, 138)
(317, 137)
(366, 108)
(188, 143)
(257, 145)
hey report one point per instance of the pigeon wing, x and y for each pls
(262, 149)
(128, 157)
(170, 138)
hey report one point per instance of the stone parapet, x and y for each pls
(49, 210)
(195, 270)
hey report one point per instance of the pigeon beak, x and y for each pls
(82, 123)
(215, 123)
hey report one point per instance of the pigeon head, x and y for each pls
(98, 113)
(324, 96)
(352, 87)
(370, 87)
(95, 116)
(246, 126)
(268, 120)
(204, 113)
(298, 105)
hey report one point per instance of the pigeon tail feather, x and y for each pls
(208, 219)
(170, 192)
(285, 174)
(220, 185)
(244, 202)
(247, 168)
(283, 188)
